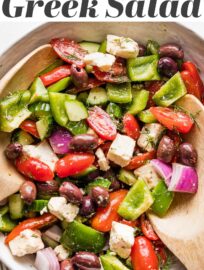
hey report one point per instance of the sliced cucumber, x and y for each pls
(89, 46)
(40, 109)
(103, 47)
(119, 93)
(76, 110)
(97, 96)
(6, 224)
(127, 177)
(146, 117)
(16, 205)
(37, 205)
(22, 137)
(44, 127)
(139, 102)
(76, 128)
(83, 97)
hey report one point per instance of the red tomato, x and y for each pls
(131, 126)
(133, 223)
(102, 124)
(32, 224)
(34, 169)
(102, 221)
(143, 256)
(69, 51)
(147, 229)
(153, 87)
(140, 160)
(30, 127)
(55, 75)
(73, 163)
(173, 120)
(191, 86)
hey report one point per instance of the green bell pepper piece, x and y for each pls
(37, 205)
(54, 65)
(137, 201)
(146, 117)
(98, 182)
(76, 128)
(79, 237)
(38, 91)
(60, 85)
(114, 110)
(4, 210)
(162, 199)
(171, 91)
(44, 126)
(119, 93)
(139, 102)
(143, 68)
(127, 177)
(103, 47)
(6, 224)
(152, 47)
(111, 262)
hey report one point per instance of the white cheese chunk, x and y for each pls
(149, 137)
(61, 253)
(148, 174)
(102, 60)
(43, 152)
(121, 150)
(70, 211)
(27, 242)
(121, 239)
(122, 46)
(102, 160)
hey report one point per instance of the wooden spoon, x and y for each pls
(182, 229)
(19, 78)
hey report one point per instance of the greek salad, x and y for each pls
(98, 137)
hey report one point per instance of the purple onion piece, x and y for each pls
(163, 169)
(59, 140)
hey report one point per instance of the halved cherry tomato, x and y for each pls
(131, 223)
(191, 86)
(131, 126)
(153, 87)
(56, 75)
(147, 229)
(30, 127)
(143, 256)
(69, 51)
(73, 163)
(102, 221)
(173, 120)
(34, 168)
(102, 124)
(140, 160)
(32, 224)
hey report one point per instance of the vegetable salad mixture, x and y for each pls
(98, 138)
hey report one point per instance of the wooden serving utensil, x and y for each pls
(19, 78)
(182, 229)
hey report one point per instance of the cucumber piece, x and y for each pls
(60, 85)
(89, 46)
(49, 242)
(37, 205)
(40, 109)
(76, 128)
(146, 117)
(6, 224)
(54, 65)
(4, 210)
(76, 110)
(127, 177)
(16, 206)
(139, 102)
(114, 110)
(111, 262)
(97, 96)
(103, 47)
(38, 91)
(171, 91)
(83, 97)
(89, 170)
(22, 137)
(100, 181)
(119, 93)
(44, 127)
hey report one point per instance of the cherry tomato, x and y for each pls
(153, 87)
(55, 75)
(30, 127)
(73, 163)
(34, 169)
(191, 86)
(143, 256)
(32, 224)
(131, 223)
(102, 124)
(173, 120)
(102, 221)
(147, 229)
(131, 126)
(139, 160)
(69, 51)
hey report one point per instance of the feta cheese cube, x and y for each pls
(121, 150)
(121, 239)
(102, 160)
(27, 242)
(103, 61)
(61, 253)
(150, 136)
(122, 46)
(55, 206)
(69, 212)
(43, 152)
(148, 174)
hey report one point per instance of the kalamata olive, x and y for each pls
(86, 261)
(47, 189)
(142, 50)
(100, 196)
(83, 143)
(187, 154)
(13, 150)
(92, 175)
(167, 66)
(171, 50)
(28, 192)
(79, 76)
(166, 149)
(115, 185)
(66, 265)
(111, 176)
(87, 207)
(71, 192)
